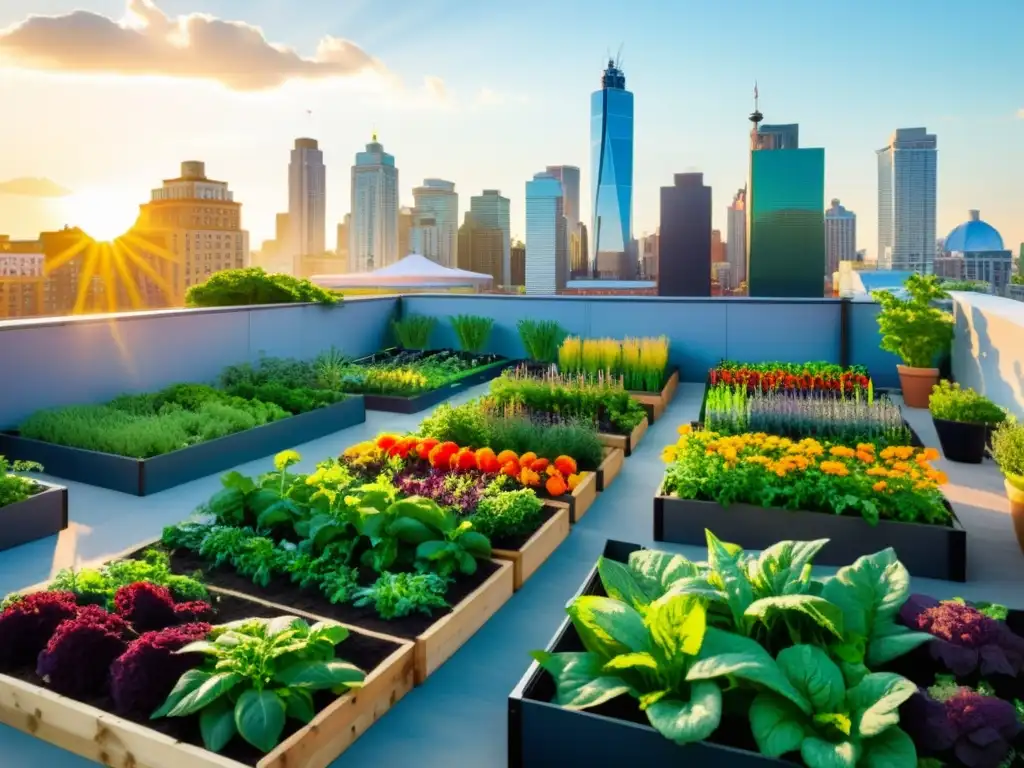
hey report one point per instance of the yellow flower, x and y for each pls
(670, 454)
(729, 454)
(866, 447)
(685, 429)
(841, 451)
(834, 468)
(902, 466)
(285, 459)
(878, 472)
(880, 486)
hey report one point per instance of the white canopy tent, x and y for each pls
(413, 271)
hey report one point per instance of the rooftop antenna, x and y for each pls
(756, 116)
(618, 56)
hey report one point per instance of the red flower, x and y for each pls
(440, 455)
(426, 445)
(385, 442)
(486, 461)
(566, 465)
(539, 465)
(527, 459)
(510, 468)
(556, 486)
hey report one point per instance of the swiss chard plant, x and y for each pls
(843, 726)
(257, 674)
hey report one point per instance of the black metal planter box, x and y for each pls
(931, 551)
(142, 477)
(543, 735)
(37, 517)
(416, 403)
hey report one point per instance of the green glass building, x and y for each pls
(786, 223)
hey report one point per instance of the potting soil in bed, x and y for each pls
(283, 591)
(364, 651)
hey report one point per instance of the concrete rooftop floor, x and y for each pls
(458, 717)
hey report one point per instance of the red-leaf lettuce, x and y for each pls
(150, 607)
(27, 625)
(142, 677)
(76, 661)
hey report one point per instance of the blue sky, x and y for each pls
(517, 78)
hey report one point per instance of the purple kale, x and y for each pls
(76, 661)
(966, 639)
(926, 722)
(149, 607)
(27, 625)
(143, 676)
(460, 491)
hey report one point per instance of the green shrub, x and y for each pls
(950, 402)
(14, 488)
(473, 331)
(462, 424)
(252, 285)
(1008, 451)
(541, 338)
(413, 331)
(509, 515)
(911, 327)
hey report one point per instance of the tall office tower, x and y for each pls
(546, 260)
(736, 237)
(569, 175)
(436, 235)
(840, 237)
(307, 202)
(405, 217)
(373, 236)
(481, 249)
(717, 247)
(684, 247)
(778, 136)
(579, 250)
(518, 264)
(611, 177)
(491, 210)
(907, 181)
(648, 252)
(201, 224)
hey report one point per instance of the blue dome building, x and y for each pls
(974, 236)
(975, 251)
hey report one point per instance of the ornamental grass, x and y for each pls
(639, 363)
(896, 483)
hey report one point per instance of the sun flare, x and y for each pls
(104, 214)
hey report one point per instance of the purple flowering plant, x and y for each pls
(967, 641)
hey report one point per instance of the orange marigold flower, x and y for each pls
(575, 480)
(939, 477)
(930, 454)
(866, 457)
(464, 460)
(539, 465)
(528, 477)
(841, 451)
(552, 470)
(385, 442)
(527, 459)
(566, 465)
(486, 461)
(880, 486)
(510, 468)
(685, 429)
(834, 468)
(877, 472)
(866, 447)
(441, 454)
(426, 445)
(506, 456)
(556, 485)
(902, 466)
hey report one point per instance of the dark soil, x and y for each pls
(517, 542)
(283, 592)
(365, 651)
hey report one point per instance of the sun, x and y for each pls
(104, 213)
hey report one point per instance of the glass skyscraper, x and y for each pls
(907, 182)
(611, 177)
(546, 263)
(786, 223)
(373, 236)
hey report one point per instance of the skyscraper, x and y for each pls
(307, 202)
(717, 247)
(491, 210)
(840, 237)
(736, 237)
(481, 249)
(373, 236)
(405, 217)
(779, 136)
(907, 181)
(435, 232)
(684, 247)
(611, 177)
(546, 261)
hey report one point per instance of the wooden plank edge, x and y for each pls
(585, 496)
(440, 642)
(611, 465)
(337, 727)
(538, 548)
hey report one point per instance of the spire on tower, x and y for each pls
(756, 116)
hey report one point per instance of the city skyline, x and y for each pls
(499, 109)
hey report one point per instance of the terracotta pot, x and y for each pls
(1015, 492)
(917, 384)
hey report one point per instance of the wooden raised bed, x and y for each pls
(538, 548)
(541, 733)
(626, 442)
(41, 515)
(580, 500)
(655, 403)
(111, 740)
(931, 551)
(142, 477)
(610, 467)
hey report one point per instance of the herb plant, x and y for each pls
(99, 586)
(950, 402)
(253, 286)
(257, 674)
(912, 328)
(414, 331)
(14, 488)
(1008, 451)
(541, 338)
(396, 595)
(473, 331)
(509, 515)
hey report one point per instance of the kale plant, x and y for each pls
(395, 595)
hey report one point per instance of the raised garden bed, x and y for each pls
(627, 443)
(142, 477)
(610, 467)
(932, 551)
(492, 366)
(542, 734)
(41, 515)
(473, 599)
(528, 557)
(655, 403)
(580, 500)
(89, 729)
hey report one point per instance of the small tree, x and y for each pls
(912, 327)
